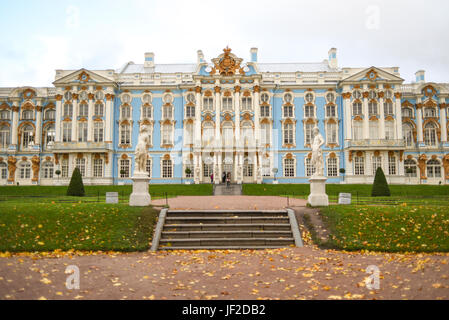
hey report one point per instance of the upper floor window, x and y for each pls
(126, 112)
(388, 108)
(99, 95)
(49, 135)
(331, 111)
(372, 94)
(5, 136)
(407, 133)
(357, 109)
(389, 130)
(146, 99)
(50, 114)
(125, 134)
(357, 130)
(99, 109)
(167, 98)
(407, 113)
(68, 96)
(309, 111)
(98, 131)
(27, 114)
(83, 110)
(374, 129)
(308, 133)
(82, 131)
(208, 103)
(227, 103)
(430, 134)
(247, 103)
(288, 111)
(265, 133)
(208, 133)
(167, 134)
(430, 113)
(372, 108)
(357, 94)
(388, 94)
(331, 132)
(5, 115)
(126, 98)
(190, 111)
(190, 97)
(66, 131)
(330, 97)
(264, 97)
(146, 112)
(68, 110)
(167, 112)
(265, 111)
(27, 136)
(309, 97)
(288, 98)
(84, 95)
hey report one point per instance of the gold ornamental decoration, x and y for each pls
(35, 166)
(12, 168)
(227, 64)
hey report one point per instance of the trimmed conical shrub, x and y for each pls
(76, 186)
(380, 185)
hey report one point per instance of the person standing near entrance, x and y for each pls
(212, 178)
(223, 178)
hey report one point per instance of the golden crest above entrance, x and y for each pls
(227, 64)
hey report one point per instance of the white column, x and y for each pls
(15, 123)
(257, 114)
(349, 164)
(58, 136)
(365, 118)
(347, 115)
(443, 120)
(90, 115)
(75, 117)
(237, 114)
(398, 116)
(37, 138)
(109, 116)
(255, 167)
(217, 113)
(419, 120)
(382, 119)
(198, 108)
(220, 166)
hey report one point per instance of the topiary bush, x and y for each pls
(380, 185)
(76, 186)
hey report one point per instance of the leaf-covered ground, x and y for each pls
(79, 226)
(389, 228)
(291, 273)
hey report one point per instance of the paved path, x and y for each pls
(230, 202)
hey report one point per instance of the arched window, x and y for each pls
(389, 130)
(357, 130)
(247, 168)
(372, 108)
(83, 110)
(126, 98)
(373, 94)
(410, 168)
(125, 134)
(27, 114)
(433, 169)
(3, 171)
(264, 97)
(357, 94)
(99, 95)
(99, 109)
(309, 97)
(98, 131)
(146, 98)
(49, 135)
(50, 114)
(357, 109)
(126, 112)
(84, 96)
(288, 98)
(5, 115)
(5, 136)
(47, 170)
(208, 133)
(430, 113)
(68, 110)
(407, 133)
(27, 136)
(330, 97)
(68, 96)
(430, 134)
(407, 113)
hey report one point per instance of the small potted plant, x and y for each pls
(188, 172)
(409, 172)
(57, 172)
(275, 171)
(343, 171)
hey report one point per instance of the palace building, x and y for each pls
(251, 120)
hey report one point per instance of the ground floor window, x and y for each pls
(410, 168)
(289, 167)
(247, 169)
(377, 162)
(266, 172)
(65, 168)
(47, 170)
(207, 170)
(148, 167)
(391, 165)
(3, 170)
(167, 169)
(81, 164)
(98, 168)
(25, 171)
(188, 166)
(332, 167)
(433, 169)
(310, 169)
(124, 168)
(359, 166)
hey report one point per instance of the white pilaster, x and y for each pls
(398, 116)
(90, 115)
(198, 108)
(15, 123)
(382, 119)
(109, 116)
(237, 114)
(365, 119)
(37, 138)
(347, 115)
(443, 120)
(217, 113)
(257, 113)
(58, 136)
(75, 119)
(419, 121)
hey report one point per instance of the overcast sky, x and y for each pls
(38, 37)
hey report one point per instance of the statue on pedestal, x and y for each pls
(141, 153)
(317, 154)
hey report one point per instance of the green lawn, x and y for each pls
(79, 226)
(388, 228)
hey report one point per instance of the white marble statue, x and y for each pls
(317, 153)
(141, 153)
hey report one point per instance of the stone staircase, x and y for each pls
(224, 190)
(225, 229)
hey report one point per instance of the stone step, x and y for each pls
(226, 213)
(228, 227)
(224, 190)
(210, 242)
(222, 247)
(225, 234)
(226, 220)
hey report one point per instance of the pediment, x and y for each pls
(83, 76)
(372, 74)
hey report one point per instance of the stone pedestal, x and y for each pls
(140, 196)
(318, 196)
